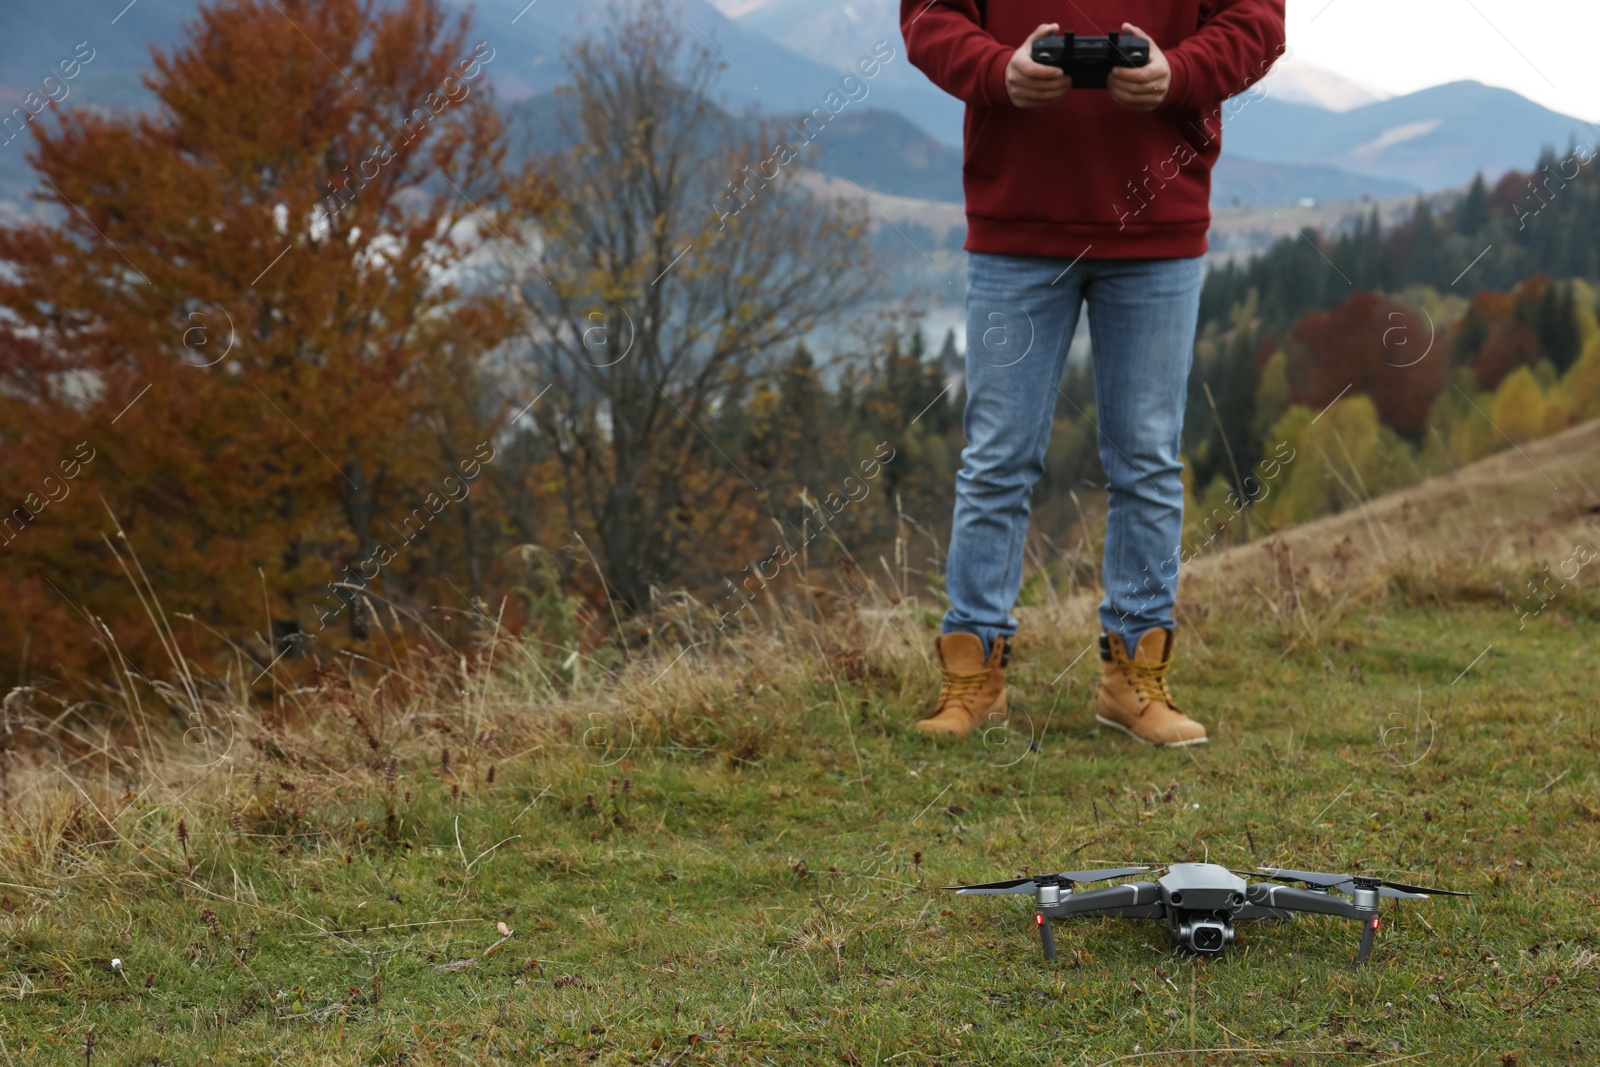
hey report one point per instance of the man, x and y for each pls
(1097, 196)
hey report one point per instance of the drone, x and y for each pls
(1202, 901)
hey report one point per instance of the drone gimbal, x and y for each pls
(1202, 901)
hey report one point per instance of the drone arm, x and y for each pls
(1132, 900)
(1280, 898)
(1266, 898)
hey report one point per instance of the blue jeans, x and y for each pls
(1021, 314)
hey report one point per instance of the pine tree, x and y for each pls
(1422, 241)
(950, 360)
(1472, 213)
(1560, 337)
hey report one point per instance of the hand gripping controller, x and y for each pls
(1088, 61)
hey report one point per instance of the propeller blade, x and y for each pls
(1320, 879)
(1028, 886)
(1327, 880)
(1101, 875)
(1401, 889)
(1013, 885)
(1386, 891)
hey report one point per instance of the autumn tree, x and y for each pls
(1372, 345)
(679, 261)
(1507, 346)
(243, 304)
(1340, 458)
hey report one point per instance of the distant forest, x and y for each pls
(1501, 284)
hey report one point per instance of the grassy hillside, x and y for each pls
(734, 856)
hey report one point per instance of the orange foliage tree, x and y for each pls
(240, 331)
(1536, 319)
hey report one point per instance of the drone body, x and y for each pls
(1201, 901)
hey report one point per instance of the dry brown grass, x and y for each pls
(80, 772)
(1476, 534)
(76, 772)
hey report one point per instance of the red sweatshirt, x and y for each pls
(1085, 176)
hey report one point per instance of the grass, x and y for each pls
(735, 856)
(760, 884)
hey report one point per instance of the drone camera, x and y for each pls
(1207, 938)
(1206, 935)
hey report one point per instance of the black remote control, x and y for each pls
(1088, 61)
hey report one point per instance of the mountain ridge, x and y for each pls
(1436, 138)
(1430, 140)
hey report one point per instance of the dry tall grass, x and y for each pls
(167, 758)
(159, 760)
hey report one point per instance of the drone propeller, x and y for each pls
(1029, 886)
(1326, 880)
(1319, 880)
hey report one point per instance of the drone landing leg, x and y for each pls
(1369, 933)
(1047, 936)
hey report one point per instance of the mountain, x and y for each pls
(34, 36)
(1237, 181)
(832, 33)
(1437, 138)
(785, 56)
(884, 150)
(758, 71)
(1298, 82)
(1310, 117)
(825, 31)
(532, 42)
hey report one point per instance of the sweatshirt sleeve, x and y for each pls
(1237, 42)
(945, 41)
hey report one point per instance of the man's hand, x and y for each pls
(1031, 84)
(1138, 88)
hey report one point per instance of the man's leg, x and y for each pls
(1142, 316)
(1021, 313)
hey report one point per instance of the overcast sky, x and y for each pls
(1547, 50)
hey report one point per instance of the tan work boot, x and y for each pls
(1134, 697)
(972, 691)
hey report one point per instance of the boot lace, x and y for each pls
(960, 687)
(1149, 681)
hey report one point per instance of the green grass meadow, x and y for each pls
(757, 880)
